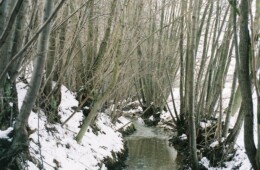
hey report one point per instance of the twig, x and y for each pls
(19, 54)
(78, 109)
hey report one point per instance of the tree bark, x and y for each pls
(3, 59)
(20, 141)
(232, 137)
(190, 88)
(102, 98)
(245, 83)
(231, 102)
(10, 22)
(182, 61)
(255, 65)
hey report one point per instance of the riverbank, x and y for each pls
(237, 160)
(54, 147)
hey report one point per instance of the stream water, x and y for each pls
(149, 150)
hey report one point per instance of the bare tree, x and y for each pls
(245, 83)
(189, 92)
(20, 140)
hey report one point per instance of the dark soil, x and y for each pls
(117, 162)
(128, 131)
(216, 155)
(151, 112)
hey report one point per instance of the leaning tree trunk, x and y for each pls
(245, 83)
(102, 98)
(20, 141)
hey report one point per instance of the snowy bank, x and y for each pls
(55, 147)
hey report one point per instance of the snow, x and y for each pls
(151, 118)
(55, 146)
(122, 121)
(205, 124)
(4, 134)
(214, 144)
(183, 137)
(240, 160)
(140, 121)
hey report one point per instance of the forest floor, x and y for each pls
(55, 147)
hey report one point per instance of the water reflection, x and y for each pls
(150, 151)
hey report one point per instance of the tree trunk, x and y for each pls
(103, 97)
(231, 102)
(17, 42)
(182, 61)
(255, 59)
(3, 58)
(10, 22)
(52, 96)
(232, 137)
(190, 88)
(20, 141)
(245, 83)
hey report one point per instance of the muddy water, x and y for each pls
(149, 150)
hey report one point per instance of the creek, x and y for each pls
(149, 149)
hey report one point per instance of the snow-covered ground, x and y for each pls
(56, 148)
(240, 158)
